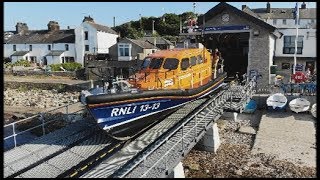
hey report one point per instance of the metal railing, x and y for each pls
(38, 121)
(184, 132)
(305, 89)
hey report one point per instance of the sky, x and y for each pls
(38, 14)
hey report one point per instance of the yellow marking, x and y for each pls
(75, 173)
(117, 145)
(103, 155)
(83, 168)
(110, 150)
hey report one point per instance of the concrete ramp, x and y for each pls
(288, 136)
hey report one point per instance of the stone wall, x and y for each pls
(79, 74)
(46, 86)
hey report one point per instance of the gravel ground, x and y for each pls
(234, 158)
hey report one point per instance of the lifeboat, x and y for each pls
(313, 110)
(299, 105)
(277, 101)
(167, 80)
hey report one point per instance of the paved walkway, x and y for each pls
(289, 136)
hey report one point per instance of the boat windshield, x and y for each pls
(146, 63)
(155, 63)
(171, 64)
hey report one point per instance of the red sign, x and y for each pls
(299, 77)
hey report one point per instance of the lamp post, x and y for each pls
(153, 27)
(140, 22)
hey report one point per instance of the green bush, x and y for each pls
(22, 62)
(67, 66)
(8, 64)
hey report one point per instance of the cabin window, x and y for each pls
(193, 61)
(200, 60)
(49, 47)
(30, 47)
(145, 63)
(156, 63)
(14, 48)
(185, 63)
(171, 64)
(67, 47)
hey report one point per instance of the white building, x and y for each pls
(284, 47)
(92, 38)
(54, 46)
(40, 46)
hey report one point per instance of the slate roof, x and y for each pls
(285, 13)
(103, 28)
(42, 36)
(143, 44)
(159, 40)
(223, 5)
(55, 53)
(20, 53)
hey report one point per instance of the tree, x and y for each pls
(166, 25)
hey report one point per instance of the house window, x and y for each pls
(49, 47)
(30, 47)
(67, 47)
(86, 35)
(86, 47)
(289, 45)
(33, 59)
(274, 21)
(14, 48)
(124, 49)
(284, 21)
(312, 20)
(68, 59)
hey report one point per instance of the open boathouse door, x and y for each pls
(233, 43)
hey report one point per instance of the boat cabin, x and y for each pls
(176, 69)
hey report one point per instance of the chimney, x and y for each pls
(303, 5)
(21, 28)
(53, 26)
(268, 8)
(88, 19)
(243, 6)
